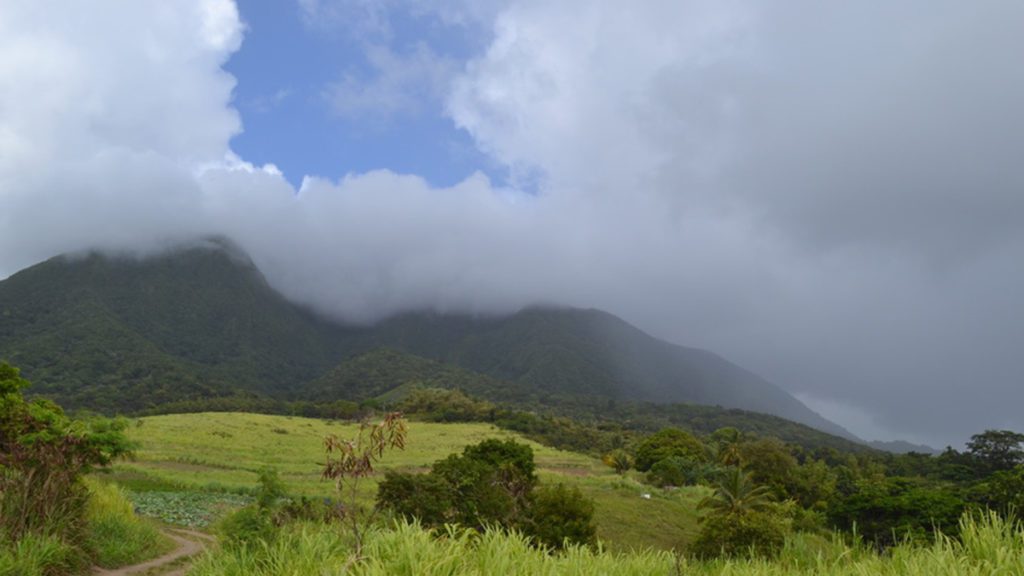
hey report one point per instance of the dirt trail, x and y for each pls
(189, 544)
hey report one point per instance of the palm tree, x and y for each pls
(736, 493)
(725, 447)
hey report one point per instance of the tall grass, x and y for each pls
(116, 536)
(988, 545)
(39, 555)
(113, 536)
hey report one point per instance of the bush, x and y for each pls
(491, 484)
(561, 516)
(246, 528)
(732, 535)
(678, 471)
(668, 443)
(425, 497)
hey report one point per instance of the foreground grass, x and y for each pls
(988, 546)
(115, 537)
(218, 452)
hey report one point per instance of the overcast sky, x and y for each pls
(828, 193)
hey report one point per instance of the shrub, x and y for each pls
(678, 471)
(561, 516)
(247, 527)
(748, 533)
(668, 443)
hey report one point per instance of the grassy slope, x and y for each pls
(224, 451)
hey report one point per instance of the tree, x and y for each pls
(736, 493)
(349, 461)
(887, 510)
(740, 519)
(724, 446)
(490, 484)
(1003, 491)
(43, 456)
(667, 443)
(560, 514)
(997, 450)
(770, 464)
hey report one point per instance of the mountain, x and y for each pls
(125, 334)
(902, 447)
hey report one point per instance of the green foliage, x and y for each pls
(737, 493)
(561, 516)
(191, 509)
(996, 450)
(40, 555)
(441, 405)
(43, 456)
(247, 527)
(200, 330)
(770, 464)
(618, 460)
(987, 545)
(490, 484)
(1002, 491)
(752, 533)
(667, 443)
(888, 510)
(116, 536)
(679, 471)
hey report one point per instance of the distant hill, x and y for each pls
(901, 447)
(119, 334)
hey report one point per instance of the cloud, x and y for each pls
(828, 194)
(397, 85)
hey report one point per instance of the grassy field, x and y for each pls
(224, 451)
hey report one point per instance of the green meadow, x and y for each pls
(222, 452)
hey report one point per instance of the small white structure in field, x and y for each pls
(646, 495)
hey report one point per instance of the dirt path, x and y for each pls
(189, 544)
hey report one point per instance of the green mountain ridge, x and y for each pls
(120, 334)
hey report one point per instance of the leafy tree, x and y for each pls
(560, 514)
(813, 485)
(997, 450)
(667, 443)
(676, 471)
(887, 510)
(490, 484)
(770, 464)
(731, 535)
(1003, 491)
(43, 456)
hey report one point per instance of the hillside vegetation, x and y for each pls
(125, 335)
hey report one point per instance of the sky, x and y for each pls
(829, 194)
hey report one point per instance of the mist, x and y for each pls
(829, 195)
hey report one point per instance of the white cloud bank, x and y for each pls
(829, 194)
